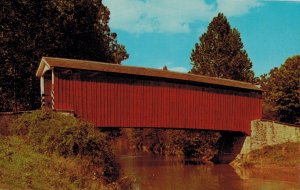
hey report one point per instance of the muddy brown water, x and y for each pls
(151, 172)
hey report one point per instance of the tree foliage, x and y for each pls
(220, 53)
(190, 144)
(282, 91)
(60, 28)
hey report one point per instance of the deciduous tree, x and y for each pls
(282, 91)
(60, 28)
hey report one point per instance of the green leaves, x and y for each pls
(220, 53)
(31, 29)
(282, 91)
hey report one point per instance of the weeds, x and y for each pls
(66, 136)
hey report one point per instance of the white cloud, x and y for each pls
(297, 1)
(169, 16)
(179, 69)
(175, 68)
(236, 7)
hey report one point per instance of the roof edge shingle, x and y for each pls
(52, 62)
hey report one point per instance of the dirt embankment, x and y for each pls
(285, 156)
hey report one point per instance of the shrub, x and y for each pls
(53, 132)
(197, 145)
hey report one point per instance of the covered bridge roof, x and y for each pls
(50, 62)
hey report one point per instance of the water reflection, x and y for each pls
(155, 172)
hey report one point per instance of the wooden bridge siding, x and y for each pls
(126, 102)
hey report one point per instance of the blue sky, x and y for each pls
(164, 32)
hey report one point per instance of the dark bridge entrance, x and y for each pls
(111, 95)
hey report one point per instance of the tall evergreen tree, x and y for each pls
(220, 53)
(31, 29)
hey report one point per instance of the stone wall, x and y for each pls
(268, 133)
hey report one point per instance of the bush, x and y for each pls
(53, 132)
(198, 146)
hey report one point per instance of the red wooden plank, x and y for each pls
(163, 106)
(184, 103)
(71, 93)
(159, 106)
(126, 104)
(63, 100)
(96, 99)
(89, 100)
(172, 107)
(194, 107)
(81, 96)
(146, 104)
(198, 102)
(133, 115)
(70, 106)
(66, 93)
(142, 104)
(85, 99)
(102, 98)
(118, 105)
(94, 103)
(154, 104)
(130, 102)
(109, 103)
(60, 98)
(136, 100)
(113, 104)
(190, 108)
(140, 110)
(77, 108)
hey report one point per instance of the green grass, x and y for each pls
(49, 150)
(22, 167)
(52, 132)
(283, 155)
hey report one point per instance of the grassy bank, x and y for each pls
(48, 150)
(284, 155)
(22, 167)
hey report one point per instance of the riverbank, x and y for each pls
(22, 167)
(285, 156)
(276, 163)
(271, 145)
(48, 150)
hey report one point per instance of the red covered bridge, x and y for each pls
(110, 95)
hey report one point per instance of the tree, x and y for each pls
(220, 53)
(282, 91)
(31, 29)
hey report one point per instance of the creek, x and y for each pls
(151, 172)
